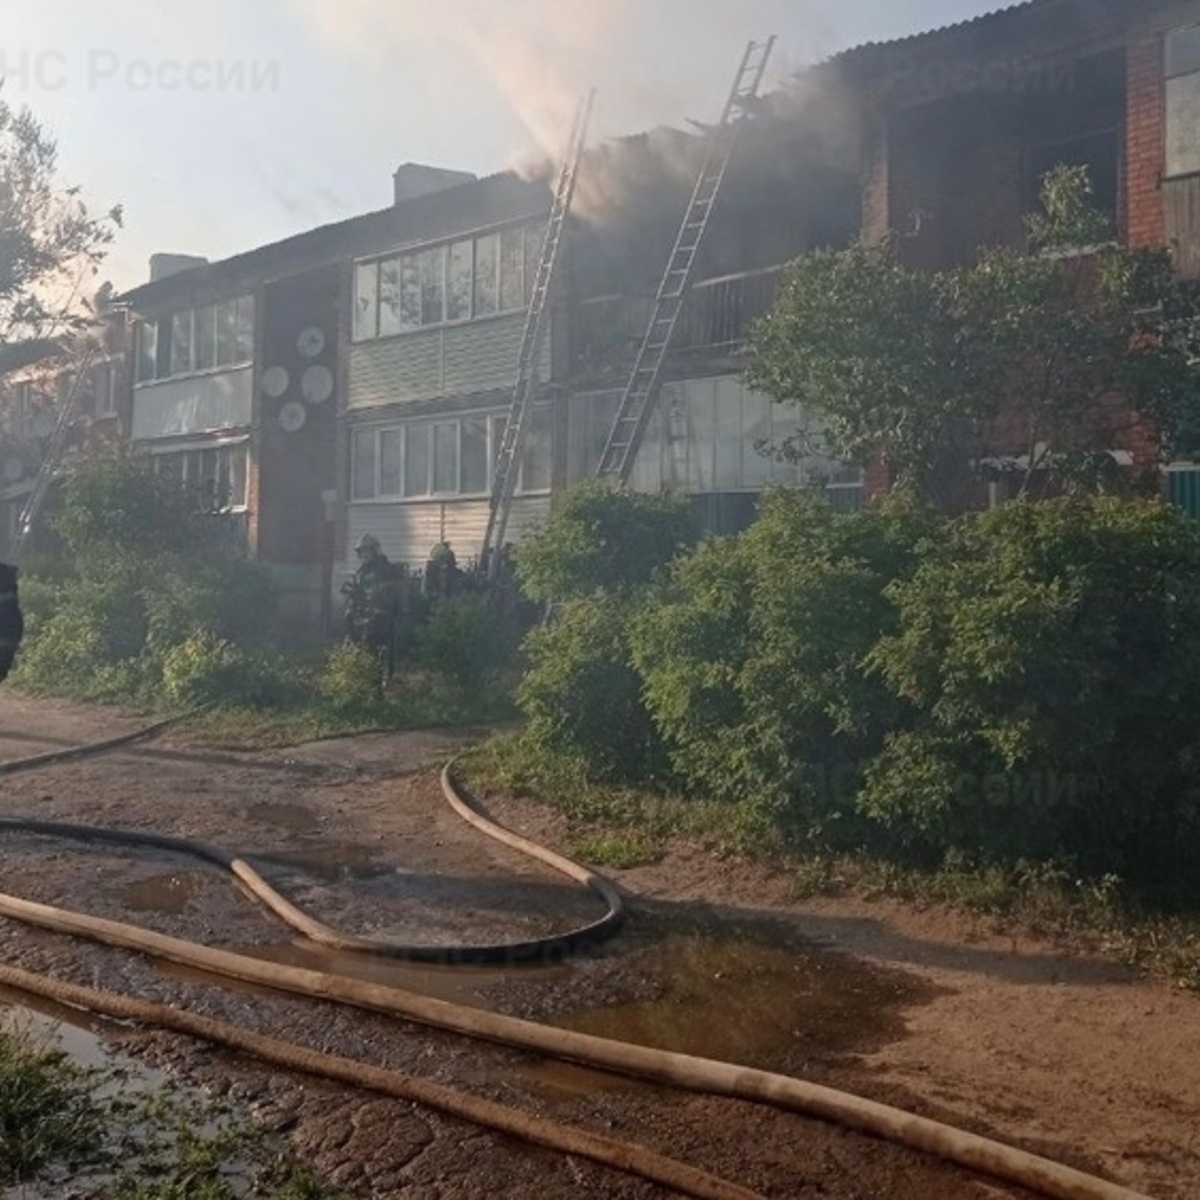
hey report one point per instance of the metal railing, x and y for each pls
(717, 317)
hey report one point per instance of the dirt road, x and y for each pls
(1069, 1057)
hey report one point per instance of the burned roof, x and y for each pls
(990, 19)
(986, 52)
(473, 205)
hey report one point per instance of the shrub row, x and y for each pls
(1022, 684)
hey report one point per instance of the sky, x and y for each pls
(221, 125)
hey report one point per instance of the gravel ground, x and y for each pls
(1065, 1056)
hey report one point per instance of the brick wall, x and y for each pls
(1147, 121)
(1144, 139)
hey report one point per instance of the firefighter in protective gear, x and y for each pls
(372, 600)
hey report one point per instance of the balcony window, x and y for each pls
(1181, 69)
(445, 457)
(147, 351)
(451, 282)
(215, 474)
(213, 337)
(104, 389)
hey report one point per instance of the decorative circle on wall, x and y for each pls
(275, 382)
(317, 384)
(292, 416)
(311, 342)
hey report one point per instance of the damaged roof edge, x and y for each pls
(855, 54)
(405, 223)
(867, 54)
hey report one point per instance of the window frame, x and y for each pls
(1169, 77)
(104, 390)
(189, 459)
(493, 422)
(368, 323)
(155, 340)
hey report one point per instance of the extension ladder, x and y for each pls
(49, 464)
(641, 391)
(512, 441)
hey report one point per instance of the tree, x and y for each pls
(51, 245)
(1032, 363)
(606, 540)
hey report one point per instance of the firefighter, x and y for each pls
(12, 623)
(442, 574)
(372, 599)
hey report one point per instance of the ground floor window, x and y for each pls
(443, 456)
(715, 436)
(217, 474)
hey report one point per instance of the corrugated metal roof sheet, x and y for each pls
(954, 27)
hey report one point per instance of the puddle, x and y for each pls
(331, 861)
(461, 984)
(77, 1034)
(743, 998)
(294, 818)
(171, 894)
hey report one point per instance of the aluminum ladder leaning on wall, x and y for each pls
(641, 391)
(50, 462)
(512, 442)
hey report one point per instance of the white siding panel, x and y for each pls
(407, 532)
(202, 404)
(454, 361)
(396, 369)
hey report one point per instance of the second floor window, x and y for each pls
(455, 281)
(208, 338)
(104, 388)
(1182, 70)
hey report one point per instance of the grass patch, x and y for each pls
(48, 1112)
(620, 850)
(599, 812)
(88, 1132)
(622, 827)
(410, 702)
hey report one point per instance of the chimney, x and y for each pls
(411, 180)
(162, 265)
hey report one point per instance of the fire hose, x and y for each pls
(972, 1151)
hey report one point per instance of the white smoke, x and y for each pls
(542, 56)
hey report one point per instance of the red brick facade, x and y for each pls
(952, 182)
(1144, 133)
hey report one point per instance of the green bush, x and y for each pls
(465, 640)
(1051, 652)
(351, 680)
(582, 695)
(603, 540)
(89, 624)
(754, 658)
(205, 668)
(115, 500)
(147, 572)
(234, 599)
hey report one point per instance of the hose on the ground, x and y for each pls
(511, 953)
(627, 1157)
(966, 1149)
(970, 1150)
(539, 950)
(34, 762)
